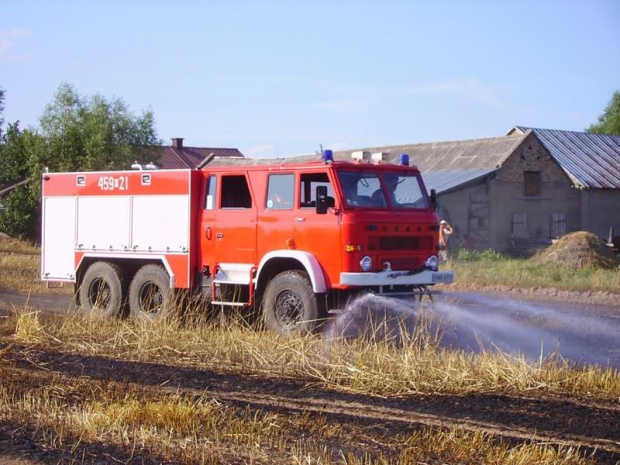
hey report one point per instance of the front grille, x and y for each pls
(400, 263)
(400, 243)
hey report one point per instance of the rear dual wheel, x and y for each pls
(101, 292)
(150, 295)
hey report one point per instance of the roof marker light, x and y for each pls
(360, 155)
(328, 156)
(404, 159)
(378, 157)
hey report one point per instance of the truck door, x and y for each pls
(318, 234)
(277, 214)
(207, 224)
(235, 225)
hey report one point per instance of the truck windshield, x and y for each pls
(362, 189)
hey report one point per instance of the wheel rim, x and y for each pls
(99, 293)
(289, 309)
(151, 298)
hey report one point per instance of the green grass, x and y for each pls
(491, 268)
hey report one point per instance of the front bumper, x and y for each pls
(397, 278)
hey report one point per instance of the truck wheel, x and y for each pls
(150, 293)
(290, 304)
(101, 290)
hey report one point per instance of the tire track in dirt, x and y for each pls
(594, 427)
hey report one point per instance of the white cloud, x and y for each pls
(5, 45)
(8, 39)
(19, 32)
(469, 88)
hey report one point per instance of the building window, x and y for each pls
(532, 183)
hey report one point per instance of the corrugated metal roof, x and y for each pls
(591, 160)
(189, 157)
(445, 181)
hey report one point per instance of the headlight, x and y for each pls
(432, 263)
(366, 263)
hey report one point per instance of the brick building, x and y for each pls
(518, 192)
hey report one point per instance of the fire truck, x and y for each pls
(292, 241)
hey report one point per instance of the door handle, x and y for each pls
(300, 219)
(208, 232)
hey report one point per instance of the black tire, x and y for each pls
(290, 305)
(102, 290)
(150, 295)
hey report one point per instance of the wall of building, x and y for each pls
(520, 222)
(495, 213)
(468, 213)
(600, 210)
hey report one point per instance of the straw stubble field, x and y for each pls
(82, 390)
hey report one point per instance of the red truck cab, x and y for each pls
(329, 229)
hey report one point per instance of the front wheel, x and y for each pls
(150, 294)
(290, 305)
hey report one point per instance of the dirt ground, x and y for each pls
(595, 427)
(541, 294)
(591, 425)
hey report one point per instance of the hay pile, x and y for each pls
(579, 250)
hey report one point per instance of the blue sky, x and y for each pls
(278, 78)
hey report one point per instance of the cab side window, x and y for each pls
(280, 192)
(307, 186)
(210, 194)
(235, 192)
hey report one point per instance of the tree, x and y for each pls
(1, 110)
(85, 134)
(76, 134)
(20, 196)
(609, 121)
(12, 156)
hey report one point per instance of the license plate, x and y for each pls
(442, 277)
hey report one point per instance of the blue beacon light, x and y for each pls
(404, 159)
(328, 156)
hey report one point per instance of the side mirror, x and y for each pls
(321, 200)
(434, 202)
